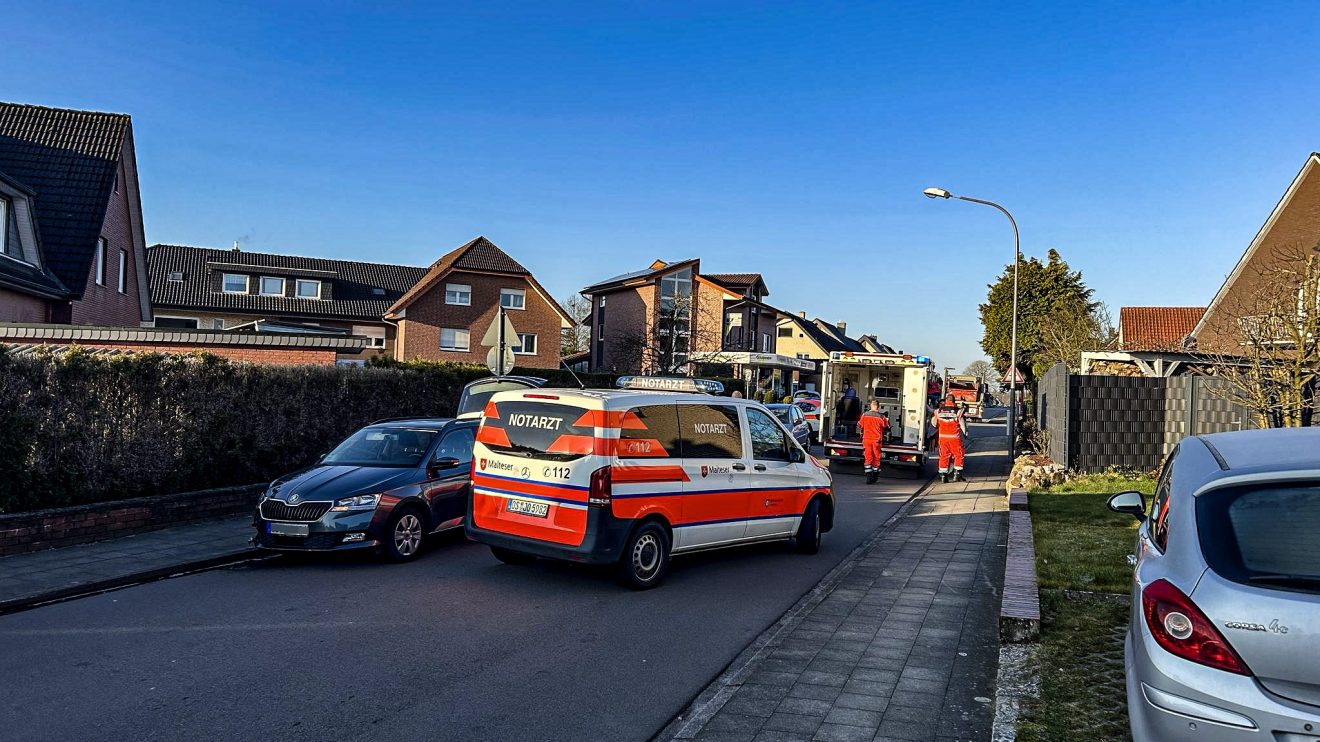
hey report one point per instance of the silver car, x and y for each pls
(1224, 638)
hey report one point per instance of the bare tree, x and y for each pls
(1066, 333)
(576, 338)
(983, 369)
(1267, 344)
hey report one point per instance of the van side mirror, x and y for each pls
(1131, 502)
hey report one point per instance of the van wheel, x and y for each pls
(807, 540)
(404, 534)
(516, 558)
(645, 557)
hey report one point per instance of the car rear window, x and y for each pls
(540, 430)
(1263, 536)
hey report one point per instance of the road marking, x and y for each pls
(297, 626)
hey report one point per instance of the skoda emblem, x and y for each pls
(294, 498)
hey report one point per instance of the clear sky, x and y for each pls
(1147, 142)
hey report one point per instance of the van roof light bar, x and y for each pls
(670, 384)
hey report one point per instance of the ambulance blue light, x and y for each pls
(923, 359)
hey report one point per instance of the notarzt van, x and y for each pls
(630, 477)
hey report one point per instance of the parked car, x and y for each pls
(811, 412)
(1224, 634)
(386, 486)
(793, 419)
(627, 478)
(804, 394)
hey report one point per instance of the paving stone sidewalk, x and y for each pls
(905, 647)
(47, 575)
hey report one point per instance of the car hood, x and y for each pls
(334, 482)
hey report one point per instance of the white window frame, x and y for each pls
(4, 226)
(520, 350)
(458, 294)
(123, 271)
(261, 286)
(375, 336)
(455, 347)
(101, 248)
(224, 280)
(520, 293)
(297, 288)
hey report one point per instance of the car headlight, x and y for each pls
(356, 504)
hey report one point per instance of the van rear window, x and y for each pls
(1265, 536)
(541, 430)
(650, 431)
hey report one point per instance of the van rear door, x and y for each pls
(532, 467)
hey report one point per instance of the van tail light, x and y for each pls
(1183, 630)
(601, 488)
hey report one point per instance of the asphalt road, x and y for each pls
(452, 646)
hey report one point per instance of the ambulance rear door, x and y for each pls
(914, 407)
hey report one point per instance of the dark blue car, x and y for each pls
(386, 487)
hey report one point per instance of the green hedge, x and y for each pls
(78, 427)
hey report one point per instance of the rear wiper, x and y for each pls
(1285, 579)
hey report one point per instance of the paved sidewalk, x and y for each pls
(41, 576)
(905, 644)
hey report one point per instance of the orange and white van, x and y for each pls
(631, 476)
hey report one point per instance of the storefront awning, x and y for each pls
(746, 358)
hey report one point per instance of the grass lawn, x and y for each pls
(1081, 545)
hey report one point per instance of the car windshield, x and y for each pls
(1263, 536)
(783, 414)
(382, 446)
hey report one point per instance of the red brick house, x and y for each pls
(72, 246)
(444, 316)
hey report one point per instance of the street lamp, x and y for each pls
(1012, 357)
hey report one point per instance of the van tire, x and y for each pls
(515, 558)
(645, 559)
(807, 540)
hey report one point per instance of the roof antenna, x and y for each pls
(569, 369)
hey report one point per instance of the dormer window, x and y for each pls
(234, 283)
(272, 286)
(308, 289)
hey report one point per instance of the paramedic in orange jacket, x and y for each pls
(874, 427)
(951, 426)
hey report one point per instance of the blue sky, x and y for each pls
(1146, 142)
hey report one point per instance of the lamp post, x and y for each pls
(1012, 357)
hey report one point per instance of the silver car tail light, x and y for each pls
(1183, 630)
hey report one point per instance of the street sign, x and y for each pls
(1014, 376)
(492, 337)
(493, 359)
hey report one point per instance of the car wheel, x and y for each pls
(645, 559)
(404, 534)
(516, 558)
(807, 540)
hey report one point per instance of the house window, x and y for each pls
(4, 226)
(526, 344)
(765, 342)
(187, 323)
(100, 261)
(786, 332)
(175, 277)
(458, 294)
(271, 286)
(453, 339)
(123, 271)
(513, 298)
(378, 291)
(308, 289)
(375, 336)
(235, 283)
(217, 324)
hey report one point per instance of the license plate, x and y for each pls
(527, 507)
(286, 529)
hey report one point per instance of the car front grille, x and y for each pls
(307, 511)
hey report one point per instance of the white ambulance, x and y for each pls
(629, 477)
(850, 381)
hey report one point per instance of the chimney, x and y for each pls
(843, 326)
(235, 247)
(803, 315)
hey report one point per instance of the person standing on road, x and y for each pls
(873, 426)
(951, 425)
